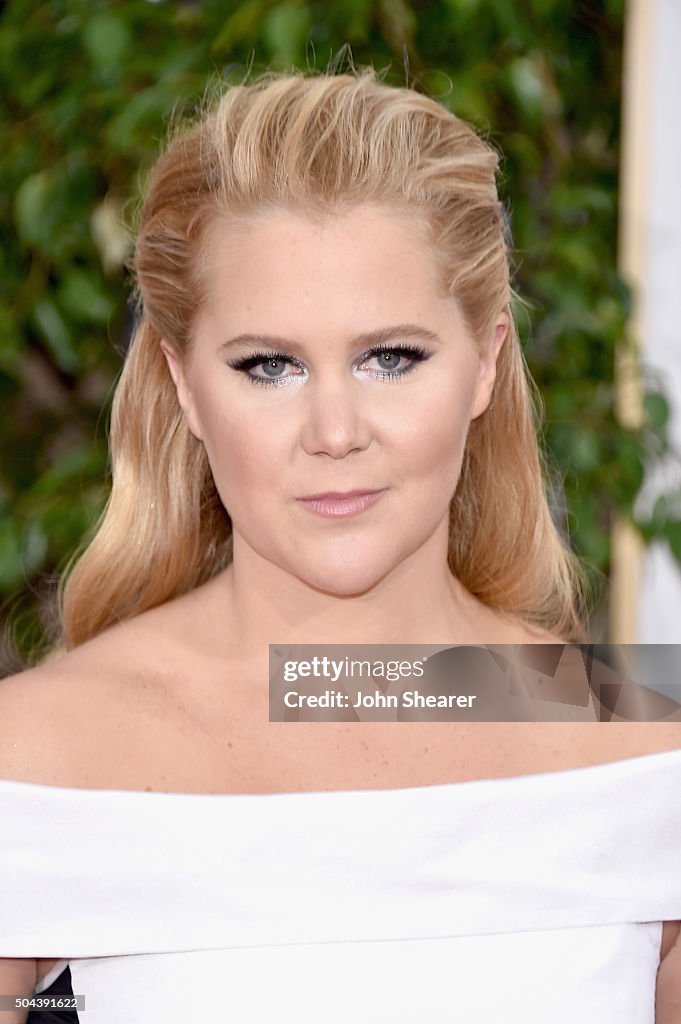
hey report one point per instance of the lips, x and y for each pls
(340, 505)
(339, 495)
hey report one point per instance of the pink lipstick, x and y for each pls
(334, 505)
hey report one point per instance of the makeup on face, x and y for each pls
(328, 470)
(337, 506)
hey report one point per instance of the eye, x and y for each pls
(271, 367)
(389, 359)
(271, 364)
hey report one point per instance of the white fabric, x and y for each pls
(533, 898)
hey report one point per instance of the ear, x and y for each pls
(184, 395)
(487, 366)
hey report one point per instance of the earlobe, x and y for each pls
(184, 395)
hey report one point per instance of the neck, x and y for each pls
(419, 601)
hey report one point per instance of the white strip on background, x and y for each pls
(659, 606)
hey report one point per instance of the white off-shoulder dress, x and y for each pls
(532, 899)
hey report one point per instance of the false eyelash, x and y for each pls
(416, 353)
(247, 362)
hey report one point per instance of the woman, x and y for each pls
(306, 247)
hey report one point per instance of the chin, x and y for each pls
(343, 581)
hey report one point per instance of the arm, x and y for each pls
(668, 993)
(17, 978)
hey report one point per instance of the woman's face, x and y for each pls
(282, 387)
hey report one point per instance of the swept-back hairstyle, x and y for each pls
(317, 143)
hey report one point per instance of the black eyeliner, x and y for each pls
(416, 353)
(248, 362)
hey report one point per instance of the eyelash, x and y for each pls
(413, 352)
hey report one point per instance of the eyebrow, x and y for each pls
(367, 338)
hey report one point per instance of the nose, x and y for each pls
(336, 420)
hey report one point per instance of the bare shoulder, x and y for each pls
(583, 743)
(64, 721)
(34, 706)
(638, 739)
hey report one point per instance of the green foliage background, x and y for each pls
(88, 88)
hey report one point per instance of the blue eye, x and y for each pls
(388, 356)
(269, 362)
(271, 367)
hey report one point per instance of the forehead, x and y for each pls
(371, 257)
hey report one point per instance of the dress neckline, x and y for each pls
(392, 792)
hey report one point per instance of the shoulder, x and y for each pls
(49, 713)
(588, 743)
(35, 705)
(64, 720)
(637, 739)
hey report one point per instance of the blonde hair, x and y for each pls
(318, 143)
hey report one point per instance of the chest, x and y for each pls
(206, 728)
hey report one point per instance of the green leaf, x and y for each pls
(657, 410)
(143, 109)
(54, 329)
(32, 208)
(285, 30)
(106, 39)
(11, 561)
(75, 463)
(82, 296)
(585, 450)
(527, 85)
(241, 26)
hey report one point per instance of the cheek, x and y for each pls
(242, 456)
(432, 440)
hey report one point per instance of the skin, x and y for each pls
(335, 426)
